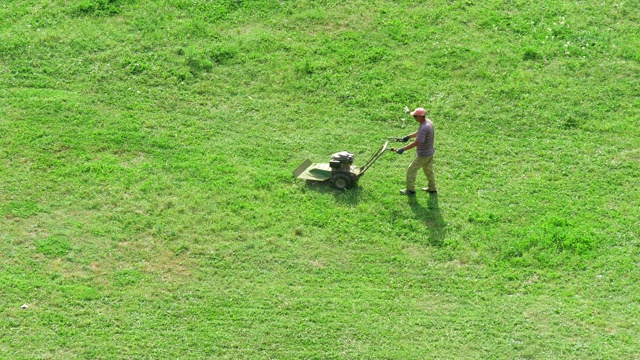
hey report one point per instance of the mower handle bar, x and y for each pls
(373, 159)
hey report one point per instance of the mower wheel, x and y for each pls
(341, 181)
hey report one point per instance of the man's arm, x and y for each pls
(412, 145)
(407, 137)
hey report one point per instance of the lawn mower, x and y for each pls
(340, 170)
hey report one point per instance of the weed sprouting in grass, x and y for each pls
(305, 68)
(53, 246)
(531, 54)
(98, 7)
(80, 292)
(124, 278)
(224, 53)
(198, 61)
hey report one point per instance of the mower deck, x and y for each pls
(318, 172)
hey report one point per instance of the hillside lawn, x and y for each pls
(148, 210)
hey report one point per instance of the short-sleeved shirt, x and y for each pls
(425, 138)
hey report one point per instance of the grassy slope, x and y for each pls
(147, 207)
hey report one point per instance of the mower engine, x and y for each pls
(341, 162)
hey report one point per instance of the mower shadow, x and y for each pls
(349, 196)
(431, 217)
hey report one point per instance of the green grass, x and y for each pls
(147, 206)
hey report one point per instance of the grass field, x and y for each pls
(148, 210)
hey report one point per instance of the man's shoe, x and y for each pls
(430, 191)
(407, 192)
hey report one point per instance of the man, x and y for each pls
(424, 145)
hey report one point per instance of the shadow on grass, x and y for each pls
(349, 196)
(431, 217)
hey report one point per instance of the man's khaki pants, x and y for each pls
(426, 163)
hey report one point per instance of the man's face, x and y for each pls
(419, 118)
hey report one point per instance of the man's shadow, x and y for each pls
(431, 217)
